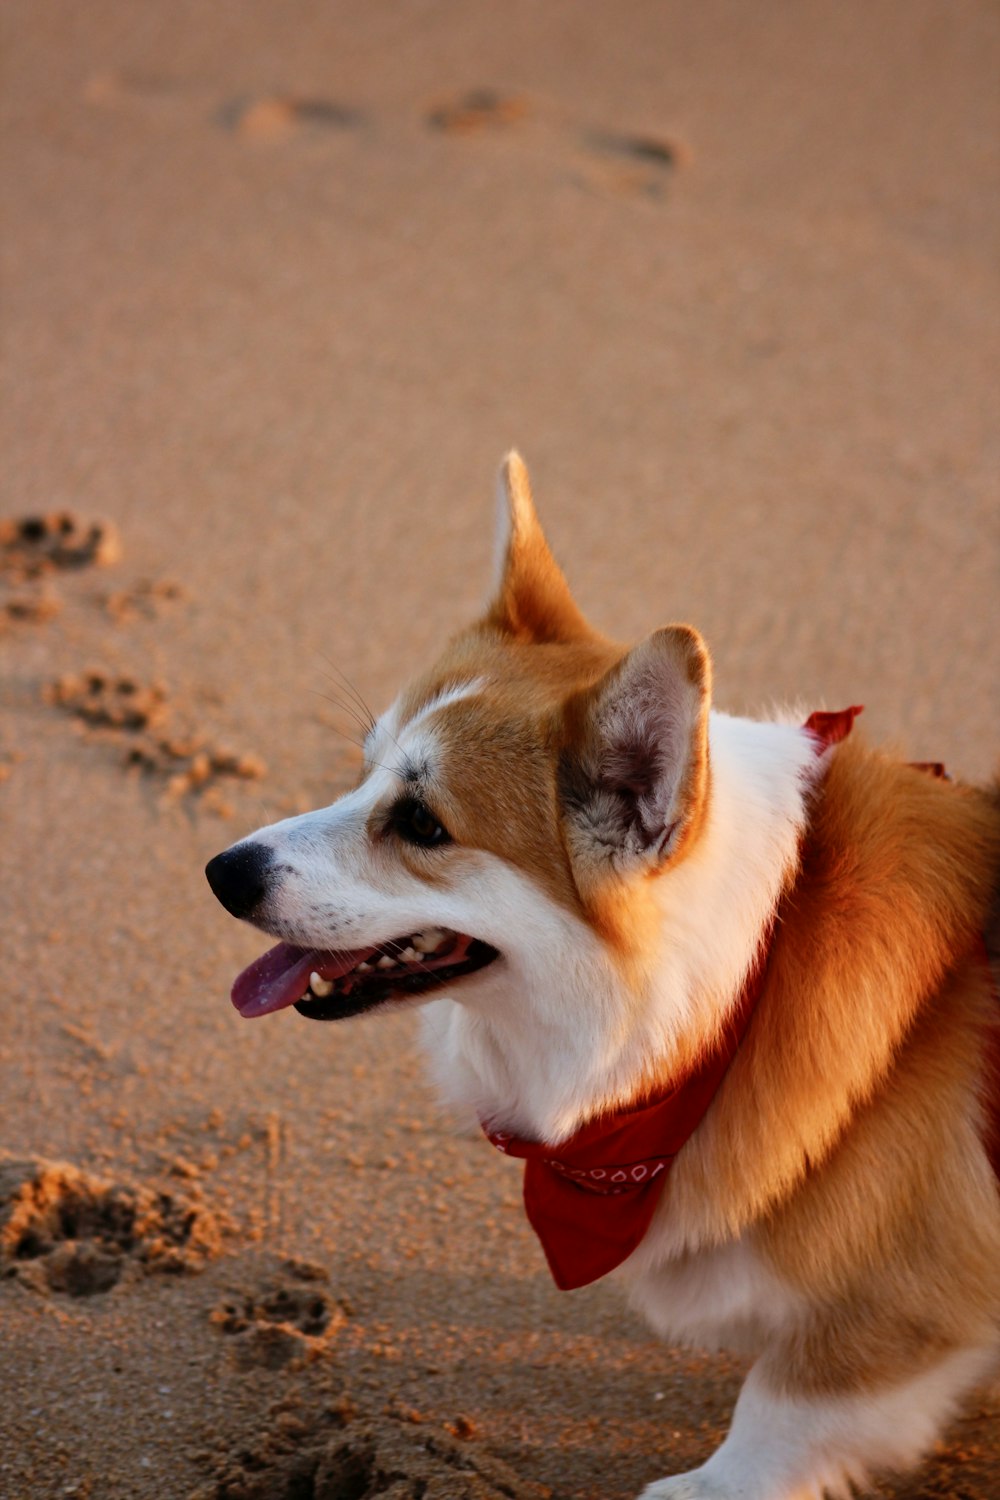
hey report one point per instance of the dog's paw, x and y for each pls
(691, 1486)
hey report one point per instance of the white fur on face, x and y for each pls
(565, 1036)
(546, 1037)
(382, 742)
(334, 889)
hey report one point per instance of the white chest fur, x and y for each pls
(720, 1297)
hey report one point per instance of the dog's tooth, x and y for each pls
(319, 985)
(364, 967)
(385, 962)
(409, 955)
(427, 942)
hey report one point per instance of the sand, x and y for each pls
(280, 285)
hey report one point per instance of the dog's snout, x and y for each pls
(238, 877)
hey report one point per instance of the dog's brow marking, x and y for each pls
(384, 725)
(446, 697)
(453, 694)
(411, 772)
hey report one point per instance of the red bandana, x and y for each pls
(626, 1156)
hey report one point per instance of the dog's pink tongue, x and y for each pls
(276, 979)
(281, 976)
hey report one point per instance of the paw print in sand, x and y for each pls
(142, 717)
(33, 549)
(290, 1317)
(66, 1231)
(338, 1454)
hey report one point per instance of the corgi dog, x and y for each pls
(721, 983)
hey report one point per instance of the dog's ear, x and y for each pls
(634, 765)
(532, 601)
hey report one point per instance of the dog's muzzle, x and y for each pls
(239, 877)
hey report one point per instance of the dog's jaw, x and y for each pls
(333, 986)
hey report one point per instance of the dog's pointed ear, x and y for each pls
(634, 769)
(531, 599)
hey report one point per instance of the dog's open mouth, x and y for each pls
(328, 986)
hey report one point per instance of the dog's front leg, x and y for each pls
(766, 1455)
(788, 1447)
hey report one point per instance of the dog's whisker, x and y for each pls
(345, 708)
(368, 716)
(370, 721)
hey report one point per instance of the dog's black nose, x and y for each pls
(238, 877)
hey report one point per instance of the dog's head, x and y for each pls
(516, 804)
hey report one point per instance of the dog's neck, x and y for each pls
(539, 1050)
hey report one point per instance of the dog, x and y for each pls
(721, 983)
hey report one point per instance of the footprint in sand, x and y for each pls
(476, 111)
(624, 164)
(102, 699)
(336, 1455)
(290, 1317)
(33, 545)
(180, 102)
(632, 165)
(158, 738)
(149, 599)
(34, 549)
(275, 117)
(63, 1230)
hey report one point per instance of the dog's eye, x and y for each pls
(415, 823)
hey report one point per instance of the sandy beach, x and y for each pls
(280, 285)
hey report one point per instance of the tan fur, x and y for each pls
(845, 1137)
(847, 1128)
(502, 748)
(534, 602)
(897, 1238)
(896, 878)
(545, 668)
(496, 746)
